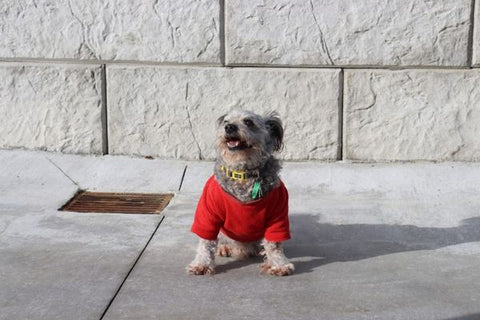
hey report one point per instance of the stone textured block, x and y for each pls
(55, 108)
(412, 115)
(345, 32)
(476, 36)
(179, 31)
(171, 112)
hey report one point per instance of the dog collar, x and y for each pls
(238, 174)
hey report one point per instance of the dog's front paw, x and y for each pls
(277, 270)
(200, 269)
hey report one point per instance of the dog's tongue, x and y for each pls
(233, 143)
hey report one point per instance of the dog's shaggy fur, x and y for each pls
(246, 142)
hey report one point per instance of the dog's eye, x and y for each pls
(248, 122)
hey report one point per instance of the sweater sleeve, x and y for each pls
(207, 221)
(278, 225)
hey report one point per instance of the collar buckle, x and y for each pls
(238, 175)
(234, 174)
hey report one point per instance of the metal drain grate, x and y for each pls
(111, 202)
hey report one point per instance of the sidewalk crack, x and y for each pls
(183, 178)
(63, 172)
(131, 269)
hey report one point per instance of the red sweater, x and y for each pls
(245, 222)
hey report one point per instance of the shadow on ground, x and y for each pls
(325, 243)
(466, 317)
(314, 244)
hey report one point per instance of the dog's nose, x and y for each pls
(231, 128)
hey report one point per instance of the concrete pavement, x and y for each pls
(370, 241)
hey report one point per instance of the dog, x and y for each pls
(243, 210)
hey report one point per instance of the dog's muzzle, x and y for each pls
(233, 140)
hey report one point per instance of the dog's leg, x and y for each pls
(204, 262)
(224, 246)
(275, 261)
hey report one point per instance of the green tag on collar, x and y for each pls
(255, 190)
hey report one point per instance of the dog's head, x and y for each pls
(247, 139)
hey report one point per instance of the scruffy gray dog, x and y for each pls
(244, 204)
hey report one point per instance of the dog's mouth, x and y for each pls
(235, 144)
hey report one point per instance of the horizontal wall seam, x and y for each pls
(107, 62)
(55, 62)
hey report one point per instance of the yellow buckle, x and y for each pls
(238, 175)
(235, 175)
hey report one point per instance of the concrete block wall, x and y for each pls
(373, 80)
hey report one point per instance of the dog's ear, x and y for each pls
(220, 120)
(275, 129)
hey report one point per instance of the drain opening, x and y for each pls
(115, 202)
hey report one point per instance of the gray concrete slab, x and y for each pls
(121, 173)
(389, 241)
(360, 253)
(388, 180)
(28, 179)
(63, 265)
